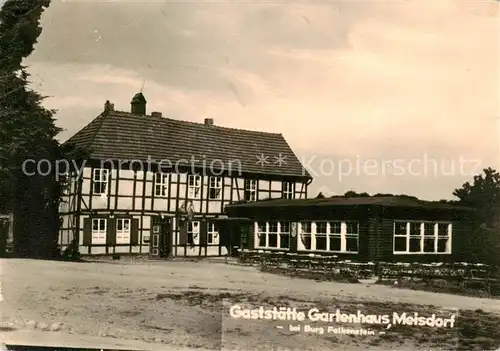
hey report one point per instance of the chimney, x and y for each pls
(209, 121)
(108, 106)
(155, 114)
(138, 104)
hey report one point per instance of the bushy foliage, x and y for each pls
(483, 194)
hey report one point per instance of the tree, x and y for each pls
(483, 194)
(352, 193)
(320, 196)
(27, 131)
(483, 243)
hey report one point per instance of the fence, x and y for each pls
(462, 274)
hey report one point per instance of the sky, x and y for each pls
(375, 96)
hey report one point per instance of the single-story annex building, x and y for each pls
(375, 228)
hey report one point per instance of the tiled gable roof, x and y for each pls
(120, 135)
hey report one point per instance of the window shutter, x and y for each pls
(87, 232)
(111, 232)
(183, 226)
(134, 232)
(203, 232)
(170, 228)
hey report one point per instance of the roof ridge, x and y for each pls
(195, 123)
(103, 116)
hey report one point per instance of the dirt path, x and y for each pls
(179, 304)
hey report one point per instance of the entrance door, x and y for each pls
(161, 237)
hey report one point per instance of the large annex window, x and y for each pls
(250, 190)
(99, 227)
(123, 231)
(194, 186)
(416, 237)
(212, 234)
(100, 181)
(272, 235)
(214, 188)
(329, 236)
(161, 184)
(287, 190)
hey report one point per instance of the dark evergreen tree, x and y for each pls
(27, 131)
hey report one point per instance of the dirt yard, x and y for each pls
(185, 305)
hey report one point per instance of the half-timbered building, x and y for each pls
(150, 184)
(378, 228)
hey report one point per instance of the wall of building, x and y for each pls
(131, 190)
(376, 230)
(133, 193)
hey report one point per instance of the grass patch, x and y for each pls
(473, 330)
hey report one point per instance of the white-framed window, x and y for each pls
(212, 234)
(65, 182)
(214, 188)
(305, 235)
(194, 186)
(287, 190)
(250, 190)
(272, 235)
(443, 244)
(422, 237)
(161, 184)
(99, 228)
(100, 181)
(329, 236)
(193, 233)
(123, 231)
(351, 241)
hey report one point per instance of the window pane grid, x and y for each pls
(123, 231)
(250, 192)
(329, 236)
(99, 230)
(212, 235)
(422, 237)
(193, 232)
(273, 235)
(161, 184)
(194, 186)
(287, 190)
(100, 181)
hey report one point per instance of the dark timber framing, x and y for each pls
(230, 188)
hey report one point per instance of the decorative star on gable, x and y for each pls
(280, 160)
(262, 160)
